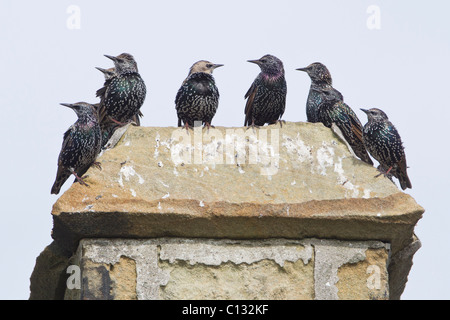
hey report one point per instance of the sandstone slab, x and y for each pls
(275, 269)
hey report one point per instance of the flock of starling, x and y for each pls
(123, 94)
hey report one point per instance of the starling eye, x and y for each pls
(263, 60)
(209, 65)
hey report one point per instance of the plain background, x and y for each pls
(402, 67)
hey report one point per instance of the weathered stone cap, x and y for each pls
(298, 181)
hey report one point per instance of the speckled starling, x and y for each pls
(320, 78)
(124, 93)
(198, 97)
(332, 110)
(81, 145)
(385, 145)
(107, 125)
(266, 98)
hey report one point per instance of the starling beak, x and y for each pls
(255, 61)
(197, 99)
(384, 143)
(266, 98)
(108, 73)
(111, 57)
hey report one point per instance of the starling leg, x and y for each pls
(124, 123)
(253, 126)
(98, 165)
(80, 180)
(118, 122)
(281, 122)
(187, 127)
(208, 125)
(386, 174)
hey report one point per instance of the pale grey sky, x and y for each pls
(402, 68)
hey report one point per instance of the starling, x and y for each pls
(198, 97)
(320, 78)
(107, 125)
(385, 145)
(266, 98)
(81, 145)
(123, 93)
(332, 110)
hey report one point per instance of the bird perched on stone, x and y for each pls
(108, 126)
(198, 97)
(332, 111)
(81, 145)
(123, 93)
(385, 145)
(320, 78)
(266, 98)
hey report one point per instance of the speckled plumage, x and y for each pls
(333, 110)
(81, 145)
(266, 98)
(124, 93)
(385, 145)
(320, 78)
(107, 125)
(198, 97)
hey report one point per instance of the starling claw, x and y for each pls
(253, 126)
(97, 165)
(281, 122)
(208, 126)
(187, 127)
(81, 180)
(382, 172)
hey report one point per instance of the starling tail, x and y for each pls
(333, 110)
(266, 98)
(81, 145)
(198, 97)
(320, 78)
(385, 145)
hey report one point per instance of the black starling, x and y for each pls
(107, 125)
(81, 145)
(385, 145)
(266, 98)
(124, 93)
(198, 97)
(320, 78)
(332, 110)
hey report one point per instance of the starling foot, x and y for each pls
(81, 180)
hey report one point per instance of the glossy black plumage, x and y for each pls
(320, 78)
(332, 110)
(266, 98)
(385, 145)
(107, 125)
(123, 93)
(81, 145)
(197, 99)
